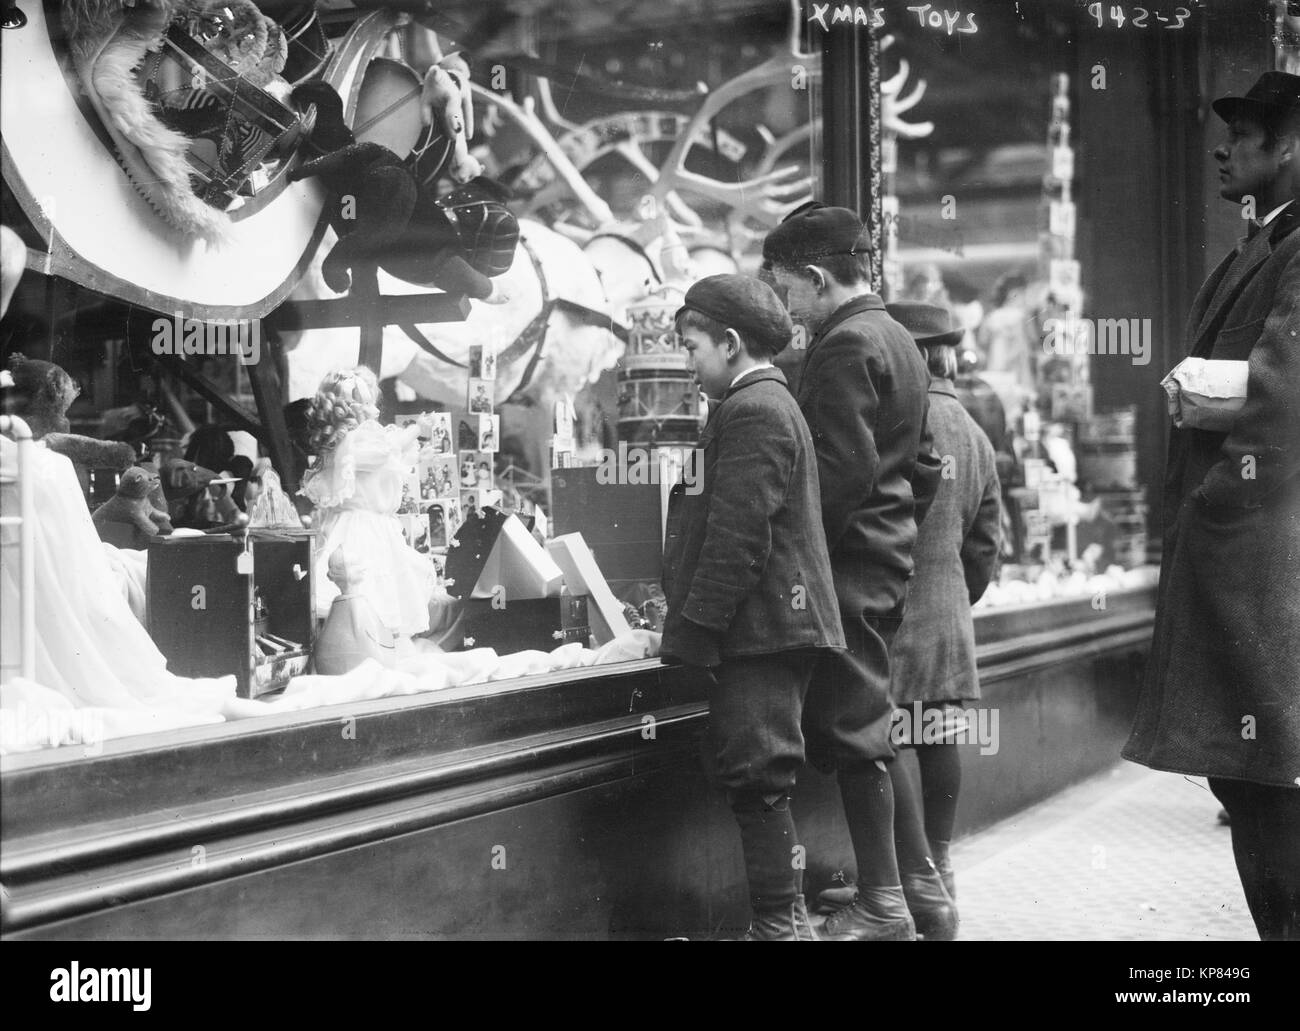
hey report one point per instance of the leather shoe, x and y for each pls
(931, 906)
(876, 914)
(788, 923)
(944, 866)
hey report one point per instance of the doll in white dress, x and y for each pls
(356, 486)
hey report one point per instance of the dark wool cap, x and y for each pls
(814, 231)
(744, 304)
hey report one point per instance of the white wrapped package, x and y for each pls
(1206, 394)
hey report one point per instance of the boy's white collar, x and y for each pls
(752, 368)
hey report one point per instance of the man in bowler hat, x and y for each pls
(748, 581)
(862, 388)
(1222, 692)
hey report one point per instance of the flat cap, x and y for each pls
(815, 231)
(744, 304)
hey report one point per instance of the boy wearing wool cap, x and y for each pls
(748, 581)
(862, 388)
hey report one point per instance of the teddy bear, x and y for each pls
(128, 519)
(457, 242)
(41, 393)
(252, 44)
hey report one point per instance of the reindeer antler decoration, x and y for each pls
(765, 197)
(893, 103)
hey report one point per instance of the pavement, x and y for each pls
(1128, 855)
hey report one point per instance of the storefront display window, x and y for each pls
(491, 504)
(346, 337)
(495, 209)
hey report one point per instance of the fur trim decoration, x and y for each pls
(109, 40)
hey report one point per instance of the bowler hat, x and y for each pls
(929, 324)
(744, 304)
(1274, 95)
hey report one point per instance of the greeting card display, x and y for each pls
(489, 432)
(482, 362)
(444, 520)
(439, 476)
(472, 501)
(415, 528)
(440, 438)
(476, 470)
(481, 396)
(435, 432)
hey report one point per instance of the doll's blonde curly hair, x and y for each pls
(345, 399)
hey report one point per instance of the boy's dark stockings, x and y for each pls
(768, 839)
(868, 797)
(940, 789)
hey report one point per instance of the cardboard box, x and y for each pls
(494, 556)
(535, 624)
(621, 523)
(582, 576)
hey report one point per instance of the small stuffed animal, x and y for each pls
(236, 31)
(41, 395)
(459, 241)
(131, 506)
(381, 188)
(446, 104)
(455, 243)
(383, 193)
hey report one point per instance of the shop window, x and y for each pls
(541, 434)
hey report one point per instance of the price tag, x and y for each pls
(244, 563)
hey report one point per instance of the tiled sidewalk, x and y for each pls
(1129, 855)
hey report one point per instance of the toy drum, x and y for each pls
(664, 411)
(658, 401)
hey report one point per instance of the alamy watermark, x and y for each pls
(640, 465)
(75, 983)
(919, 725)
(208, 338)
(1073, 335)
(25, 729)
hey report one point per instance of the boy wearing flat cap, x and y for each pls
(748, 581)
(1225, 654)
(862, 389)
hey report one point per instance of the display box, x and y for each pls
(583, 576)
(493, 555)
(533, 624)
(223, 604)
(622, 523)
